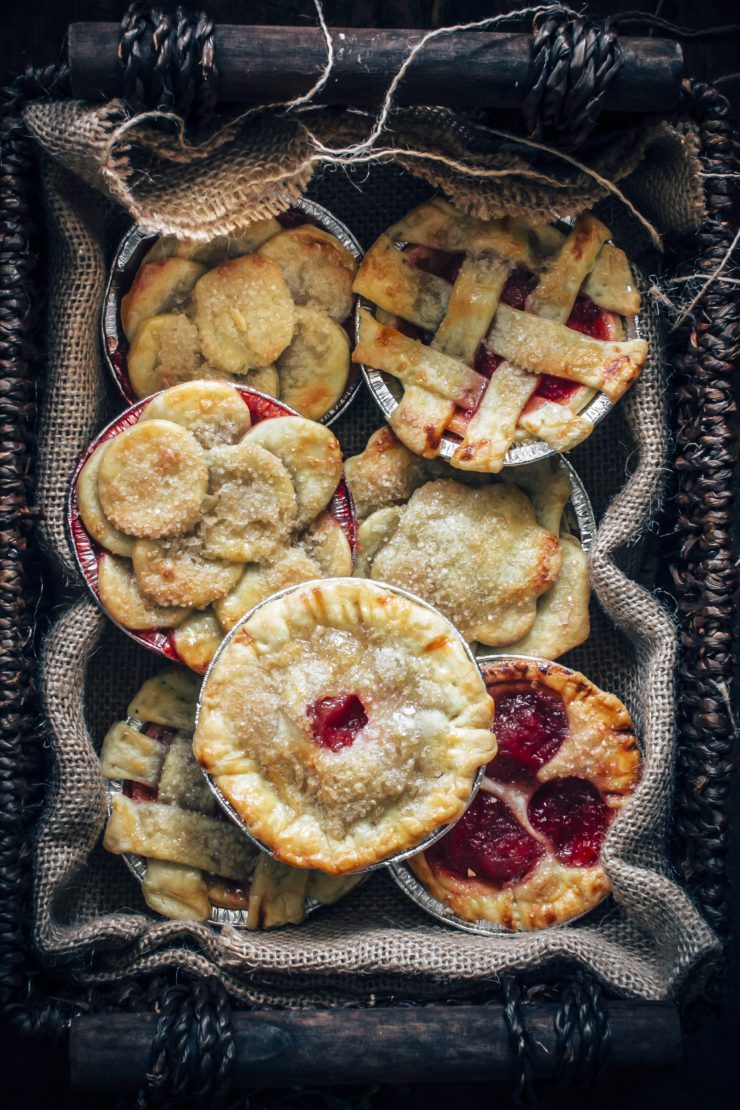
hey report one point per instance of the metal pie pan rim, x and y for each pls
(413, 888)
(236, 817)
(519, 454)
(111, 332)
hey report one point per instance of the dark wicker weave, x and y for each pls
(193, 1049)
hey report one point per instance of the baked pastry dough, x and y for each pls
(497, 330)
(214, 511)
(318, 269)
(158, 287)
(210, 253)
(244, 313)
(314, 368)
(175, 883)
(165, 351)
(527, 854)
(477, 554)
(385, 472)
(345, 723)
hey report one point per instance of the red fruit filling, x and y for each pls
(530, 726)
(139, 792)
(573, 815)
(588, 318)
(444, 264)
(518, 287)
(486, 362)
(336, 721)
(487, 843)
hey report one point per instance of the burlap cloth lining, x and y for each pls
(89, 913)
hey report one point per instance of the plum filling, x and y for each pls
(487, 843)
(572, 814)
(530, 726)
(335, 722)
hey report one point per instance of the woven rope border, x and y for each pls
(703, 571)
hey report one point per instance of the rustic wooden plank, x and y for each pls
(264, 64)
(386, 1044)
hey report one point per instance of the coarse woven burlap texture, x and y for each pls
(90, 916)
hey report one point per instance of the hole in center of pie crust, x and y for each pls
(530, 725)
(336, 721)
(487, 843)
(572, 813)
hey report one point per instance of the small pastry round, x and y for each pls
(327, 544)
(120, 595)
(319, 270)
(314, 368)
(251, 505)
(265, 379)
(244, 313)
(215, 250)
(152, 479)
(197, 639)
(373, 534)
(527, 854)
(91, 511)
(344, 723)
(176, 572)
(158, 287)
(166, 350)
(215, 412)
(384, 472)
(310, 453)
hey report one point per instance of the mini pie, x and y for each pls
(196, 861)
(264, 307)
(196, 508)
(345, 723)
(497, 330)
(495, 558)
(527, 854)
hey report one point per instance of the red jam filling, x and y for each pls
(336, 721)
(445, 264)
(589, 319)
(518, 287)
(530, 726)
(486, 362)
(573, 815)
(487, 843)
(139, 792)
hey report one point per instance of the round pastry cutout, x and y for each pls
(269, 307)
(493, 343)
(343, 723)
(527, 853)
(210, 512)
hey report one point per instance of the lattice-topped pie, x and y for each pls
(497, 558)
(264, 308)
(194, 861)
(498, 331)
(201, 514)
(527, 854)
(345, 723)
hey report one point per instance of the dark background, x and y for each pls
(709, 1076)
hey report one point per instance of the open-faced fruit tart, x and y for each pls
(495, 557)
(265, 307)
(194, 864)
(527, 853)
(496, 332)
(345, 723)
(185, 514)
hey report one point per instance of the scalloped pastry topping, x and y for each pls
(201, 516)
(497, 331)
(197, 862)
(527, 853)
(345, 723)
(265, 306)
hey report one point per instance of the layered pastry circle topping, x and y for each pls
(344, 722)
(496, 331)
(527, 853)
(194, 864)
(496, 557)
(265, 308)
(201, 515)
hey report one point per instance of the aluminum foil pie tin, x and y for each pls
(433, 837)
(87, 552)
(137, 864)
(387, 391)
(129, 256)
(413, 887)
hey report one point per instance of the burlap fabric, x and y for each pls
(89, 913)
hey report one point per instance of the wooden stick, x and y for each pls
(392, 1045)
(266, 64)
